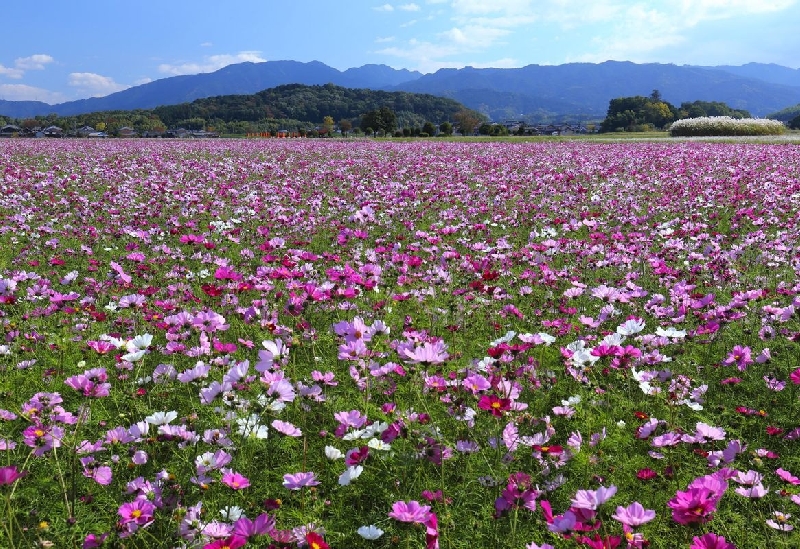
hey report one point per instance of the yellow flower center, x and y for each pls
(136, 513)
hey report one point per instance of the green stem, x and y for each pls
(62, 483)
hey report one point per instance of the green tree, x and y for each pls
(345, 125)
(429, 128)
(327, 124)
(383, 119)
(446, 128)
(794, 123)
(466, 121)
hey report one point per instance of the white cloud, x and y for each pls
(95, 85)
(142, 81)
(385, 7)
(207, 44)
(211, 63)
(409, 7)
(11, 73)
(22, 64)
(33, 62)
(384, 39)
(473, 38)
(22, 92)
(634, 30)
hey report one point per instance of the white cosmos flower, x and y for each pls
(118, 343)
(670, 332)
(352, 473)
(631, 326)
(370, 532)
(161, 418)
(232, 513)
(134, 356)
(355, 434)
(251, 427)
(139, 342)
(378, 444)
(333, 453)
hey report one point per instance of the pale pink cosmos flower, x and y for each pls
(591, 499)
(634, 514)
(296, 481)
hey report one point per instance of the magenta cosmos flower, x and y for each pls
(410, 512)
(139, 512)
(694, 505)
(9, 474)
(234, 480)
(710, 541)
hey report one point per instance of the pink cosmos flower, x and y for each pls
(591, 499)
(246, 528)
(740, 356)
(711, 541)
(233, 542)
(695, 505)
(429, 353)
(782, 473)
(410, 512)
(92, 541)
(10, 474)
(296, 481)
(562, 523)
(286, 428)
(138, 511)
(234, 480)
(780, 522)
(634, 515)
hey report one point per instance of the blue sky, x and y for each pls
(60, 50)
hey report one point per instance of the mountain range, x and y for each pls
(533, 92)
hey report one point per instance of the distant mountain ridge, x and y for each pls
(534, 91)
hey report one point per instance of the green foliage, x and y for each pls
(311, 104)
(383, 119)
(638, 113)
(494, 130)
(787, 114)
(697, 109)
(446, 128)
(794, 123)
(641, 114)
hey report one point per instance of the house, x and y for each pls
(126, 131)
(10, 130)
(84, 131)
(53, 131)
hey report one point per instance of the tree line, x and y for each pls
(641, 113)
(293, 107)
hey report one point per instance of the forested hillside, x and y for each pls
(312, 104)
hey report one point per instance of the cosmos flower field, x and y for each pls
(330, 343)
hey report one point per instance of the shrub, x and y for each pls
(725, 125)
